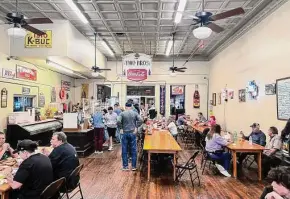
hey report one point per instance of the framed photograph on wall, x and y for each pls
(219, 98)
(214, 99)
(242, 95)
(270, 89)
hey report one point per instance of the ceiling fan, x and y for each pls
(20, 23)
(173, 68)
(205, 20)
(96, 70)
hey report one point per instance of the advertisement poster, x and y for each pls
(162, 99)
(137, 67)
(26, 73)
(85, 91)
(38, 41)
(177, 90)
(8, 73)
(196, 98)
(53, 95)
(41, 100)
(65, 85)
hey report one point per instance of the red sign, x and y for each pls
(136, 74)
(26, 73)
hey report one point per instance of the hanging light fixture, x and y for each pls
(172, 74)
(16, 32)
(95, 74)
(202, 32)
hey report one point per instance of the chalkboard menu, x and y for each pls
(283, 98)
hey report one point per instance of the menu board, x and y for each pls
(283, 98)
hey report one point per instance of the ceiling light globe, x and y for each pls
(202, 32)
(16, 32)
(95, 74)
(172, 74)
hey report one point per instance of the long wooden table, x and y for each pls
(161, 141)
(244, 146)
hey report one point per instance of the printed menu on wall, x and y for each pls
(283, 98)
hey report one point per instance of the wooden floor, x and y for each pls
(102, 178)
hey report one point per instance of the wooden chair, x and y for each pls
(53, 189)
(189, 166)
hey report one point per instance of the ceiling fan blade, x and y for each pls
(104, 69)
(230, 13)
(182, 71)
(38, 21)
(33, 30)
(182, 68)
(215, 27)
(195, 18)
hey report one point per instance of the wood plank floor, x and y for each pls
(102, 178)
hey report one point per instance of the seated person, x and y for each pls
(63, 158)
(214, 146)
(181, 120)
(172, 128)
(200, 119)
(34, 173)
(142, 129)
(280, 187)
(272, 149)
(5, 149)
(211, 122)
(258, 137)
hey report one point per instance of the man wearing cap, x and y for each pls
(258, 137)
(128, 122)
(34, 174)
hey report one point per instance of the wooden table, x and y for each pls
(161, 141)
(4, 191)
(200, 128)
(244, 146)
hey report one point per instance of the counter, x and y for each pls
(82, 140)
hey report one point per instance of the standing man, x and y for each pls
(128, 122)
(99, 129)
(111, 122)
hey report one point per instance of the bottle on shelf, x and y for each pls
(251, 140)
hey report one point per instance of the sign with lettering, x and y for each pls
(177, 90)
(26, 73)
(7, 73)
(162, 99)
(38, 41)
(65, 85)
(25, 91)
(137, 67)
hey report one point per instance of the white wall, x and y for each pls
(261, 55)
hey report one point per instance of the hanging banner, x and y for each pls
(65, 85)
(177, 90)
(196, 98)
(38, 41)
(7, 73)
(137, 67)
(26, 73)
(162, 99)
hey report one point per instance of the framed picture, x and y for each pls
(214, 99)
(242, 95)
(282, 98)
(270, 89)
(231, 94)
(4, 94)
(219, 98)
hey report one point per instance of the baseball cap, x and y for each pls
(25, 145)
(254, 125)
(128, 104)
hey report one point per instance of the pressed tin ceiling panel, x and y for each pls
(147, 24)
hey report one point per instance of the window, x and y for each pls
(22, 102)
(140, 90)
(177, 99)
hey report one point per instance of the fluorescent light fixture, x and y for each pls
(59, 67)
(79, 75)
(169, 46)
(105, 45)
(180, 9)
(73, 6)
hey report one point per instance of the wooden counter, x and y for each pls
(82, 140)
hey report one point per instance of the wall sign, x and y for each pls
(283, 98)
(177, 90)
(25, 91)
(41, 100)
(252, 90)
(8, 73)
(162, 99)
(196, 98)
(53, 95)
(36, 41)
(85, 91)
(65, 85)
(137, 67)
(270, 89)
(242, 95)
(26, 73)
(62, 94)
(4, 94)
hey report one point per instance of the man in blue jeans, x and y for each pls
(128, 122)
